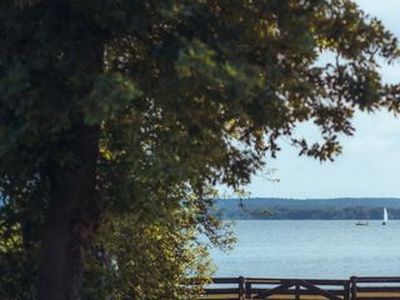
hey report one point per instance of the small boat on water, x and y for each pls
(360, 223)
(385, 216)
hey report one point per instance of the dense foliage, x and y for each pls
(129, 259)
(171, 253)
(134, 109)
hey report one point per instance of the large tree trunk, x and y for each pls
(72, 215)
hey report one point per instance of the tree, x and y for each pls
(133, 106)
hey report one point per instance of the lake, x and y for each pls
(311, 249)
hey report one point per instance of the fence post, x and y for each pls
(353, 286)
(248, 289)
(297, 292)
(241, 288)
(347, 290)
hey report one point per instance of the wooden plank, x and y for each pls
(221, 291)
(265, 280)
(297, 291)
(225, 280)
(241, 288)
(276, 290)
(256, 290)
(318, 290)
(248, 289)
(378, 279)
(353, 287)
(257, 280)
(346, 291)
(381, 289)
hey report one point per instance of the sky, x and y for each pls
(370, 163)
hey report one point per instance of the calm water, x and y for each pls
(320, 249)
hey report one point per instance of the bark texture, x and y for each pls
(72, 215)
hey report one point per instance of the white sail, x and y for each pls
(385, 215)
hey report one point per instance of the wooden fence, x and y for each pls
(357, 288)
(375, 288)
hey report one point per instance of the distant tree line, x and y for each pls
(325, 213)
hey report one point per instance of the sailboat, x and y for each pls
(361, 223)
(385, 216)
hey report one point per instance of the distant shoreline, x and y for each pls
(307, 209)
(350, 220)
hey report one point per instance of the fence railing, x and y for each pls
(356, 288)
(376, 288)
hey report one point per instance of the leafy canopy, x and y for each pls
(184, 95)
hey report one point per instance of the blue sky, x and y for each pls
(370, 163)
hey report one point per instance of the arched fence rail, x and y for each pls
(356, 288)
